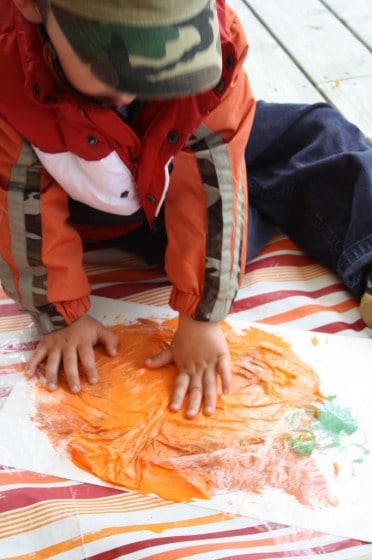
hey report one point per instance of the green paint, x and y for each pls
(323, 428)
(336, 420)
(304, 444)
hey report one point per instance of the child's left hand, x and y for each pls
(200, 352)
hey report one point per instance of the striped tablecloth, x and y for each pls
(43, 517)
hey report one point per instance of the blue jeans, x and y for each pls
(310, 174)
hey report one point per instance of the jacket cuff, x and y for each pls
(192, 305)
(56, 316)
(47, 319)
(73, 310)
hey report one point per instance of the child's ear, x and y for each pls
(29, 9)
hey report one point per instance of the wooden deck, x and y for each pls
(311, 50)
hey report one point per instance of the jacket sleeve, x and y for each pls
(40, 253)
(206, 204)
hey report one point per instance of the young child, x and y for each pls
(127, 122)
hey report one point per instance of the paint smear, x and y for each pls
(260, 437)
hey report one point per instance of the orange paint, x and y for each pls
(122, 430)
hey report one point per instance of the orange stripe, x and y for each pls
(200, 548)
(71, 544)
(306, 310)
(285, 244)
(126, 275)
(26, 477)
(11, 368)
(157, 297)
(3, 294)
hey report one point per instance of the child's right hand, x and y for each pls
(72, 348)
(200, 352)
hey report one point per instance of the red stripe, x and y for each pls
(5, 392)
(245, 304)
(9, 310)
(341, 326)
(293, 261)
(125, 290)
(21, 346)
(326, 549)
(129, 549)
(142, 545)
(25, 496)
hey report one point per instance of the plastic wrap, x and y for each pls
(281, 446)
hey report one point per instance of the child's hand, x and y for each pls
(200, 352)
(72, 347)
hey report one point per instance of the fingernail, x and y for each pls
(75, 389)
(52, 386)
(208, 410)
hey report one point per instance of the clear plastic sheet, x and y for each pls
(16, 346)
(31, 408)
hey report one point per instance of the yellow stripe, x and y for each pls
(40, 515)
(15, 323)
(284, 274)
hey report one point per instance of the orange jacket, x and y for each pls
(205, 201)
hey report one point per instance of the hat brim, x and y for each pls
(149, 61)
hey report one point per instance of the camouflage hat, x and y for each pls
(152, 48)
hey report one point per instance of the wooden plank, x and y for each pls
(352, 99)
(356, 15)
(322, 46)
(327, 52)
(272, 73)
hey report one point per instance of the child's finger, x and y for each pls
(160, 359)
(88, 363)
(224, 371)
(179, 392)
(37, 357)
(195, 397)
(70, 365)
(209, 391)
(110, 341)
(51, 369)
